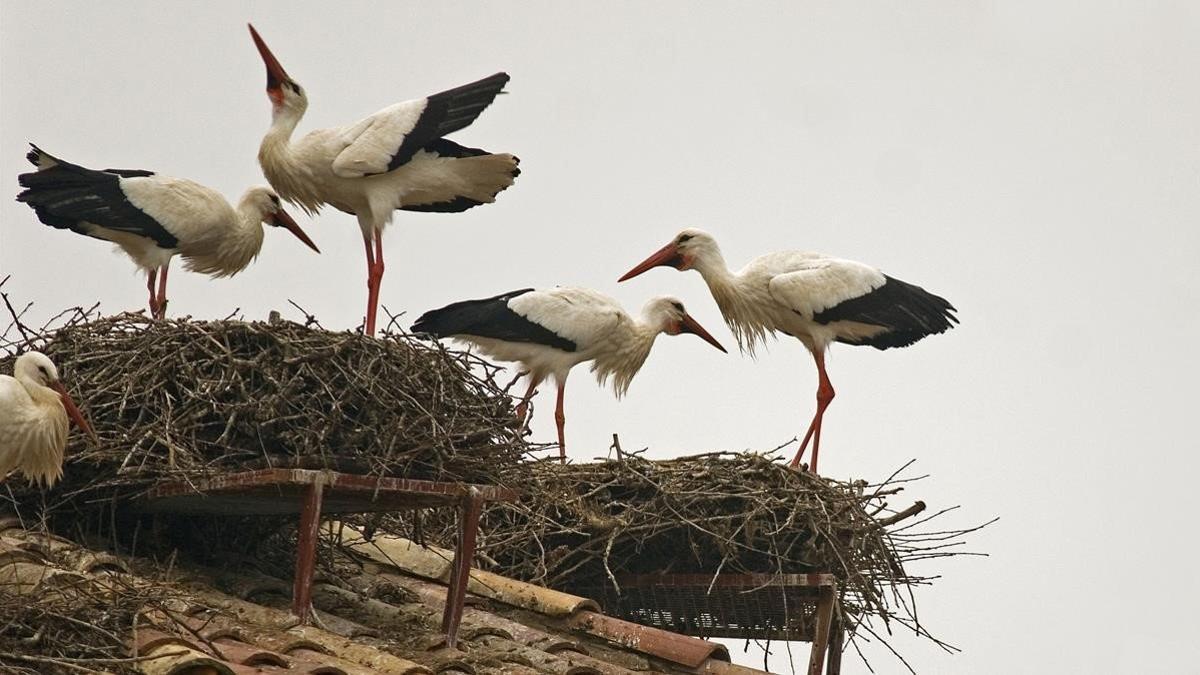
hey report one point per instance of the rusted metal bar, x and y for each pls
(816, 658)
(361, 487)
(741, 581)
(833, 663)
(456, 594)
(306, 551)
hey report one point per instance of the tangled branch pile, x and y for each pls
(184, 398)
(57, 621)
(582, 527)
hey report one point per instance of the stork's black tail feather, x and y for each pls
(466, 317)
(906, 312)
(488, 318)
(67, 196)
(54, 184)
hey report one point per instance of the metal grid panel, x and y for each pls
(741, 606)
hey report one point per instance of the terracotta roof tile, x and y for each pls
(382, 620)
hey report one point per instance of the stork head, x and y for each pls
(669, 316)
(284, 92)
(685, 251)
(264, 200)
(37, 368)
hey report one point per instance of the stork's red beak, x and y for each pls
(73, 410)
(276, 75)
(668, 255)
(282, 218)
(689, 325)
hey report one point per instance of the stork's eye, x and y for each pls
(294, 87)
(45, 373)
(678, 306)
(275, 200)
(684, 237)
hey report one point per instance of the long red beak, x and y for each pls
(73, 410)
(276, 75)
(667, 255)
(689, 325)
(285, 220)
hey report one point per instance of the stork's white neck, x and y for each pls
(282, 167)
(627, 350)
(40, 393)
(742, 302)
(232, 249)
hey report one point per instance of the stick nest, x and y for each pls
(183, 399)
(582, 528)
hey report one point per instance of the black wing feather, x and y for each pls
(489, 318)
(65, 196)
(907, 312)
(447, 112)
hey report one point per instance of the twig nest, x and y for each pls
(182, 396)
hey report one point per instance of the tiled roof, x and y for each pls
(383, 617)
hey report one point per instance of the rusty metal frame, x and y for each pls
(833, 661)
(310, 493)
(306, 551)
(826, 633)
(820, 643)
(460, 570)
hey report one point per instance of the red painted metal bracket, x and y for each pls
(312, 492)
(460, 571)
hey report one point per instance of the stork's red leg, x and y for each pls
(162, 290)
(561, 419)
(825, 394)
(151, 275)
(523, 406)
(378, 274)
(374, 247)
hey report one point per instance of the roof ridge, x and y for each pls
(431, 562)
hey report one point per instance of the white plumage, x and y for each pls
(818, 299)
(34, 412)
(551, 331)
(395, 159)
(153, 218)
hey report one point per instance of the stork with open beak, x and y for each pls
(34, 410)
(396, 159)
(815, 298)
(551, 331)
(153, 218)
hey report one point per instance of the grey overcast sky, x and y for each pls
(1036, 163)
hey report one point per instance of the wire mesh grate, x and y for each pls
(742, 606)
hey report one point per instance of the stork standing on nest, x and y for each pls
(34, 410)
(396, 159)
(815, 298)
(153, 218)
(549, 332)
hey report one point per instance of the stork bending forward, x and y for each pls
(815, 298)
(34, 410)
(396, 159)
(551, 331)
(153, 218)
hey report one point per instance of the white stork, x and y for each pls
(396, 159)
(813, 297)
(34, 409)
(154, 218)
(551, 331)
